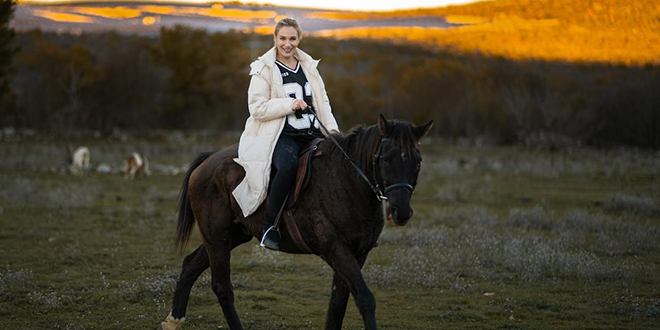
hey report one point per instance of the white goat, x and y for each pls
(80, 161)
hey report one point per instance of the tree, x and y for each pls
(7, 51)
(185, 53)
(228, 79)
(63, 79)
(78, 73)
(129, 90)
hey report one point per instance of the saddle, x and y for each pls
(302, 179)
(304, 172)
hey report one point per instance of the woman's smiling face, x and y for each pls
(286, 41)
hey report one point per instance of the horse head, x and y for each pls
(397, 163)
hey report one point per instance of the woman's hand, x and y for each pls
(299, 105)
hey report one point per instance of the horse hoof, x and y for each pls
(171, 323)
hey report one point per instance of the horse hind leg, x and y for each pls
(193, 266)
(221, 278)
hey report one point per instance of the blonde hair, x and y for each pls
(288, 21)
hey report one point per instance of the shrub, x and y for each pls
(530, 219)
(629, 203)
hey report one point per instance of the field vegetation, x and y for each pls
(502, 237)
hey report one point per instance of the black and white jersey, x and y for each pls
(302, 124)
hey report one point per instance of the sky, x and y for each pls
(366, 4)
(325, 4)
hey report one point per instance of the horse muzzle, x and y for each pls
(399, 216)
(398, 203)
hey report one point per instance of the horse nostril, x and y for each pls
(393, 212)
(404, 216)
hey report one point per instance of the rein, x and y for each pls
(375, 165)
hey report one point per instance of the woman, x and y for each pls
(284, 84)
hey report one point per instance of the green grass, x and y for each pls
(502, 238)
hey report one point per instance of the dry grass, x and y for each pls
(530, 247)
(629, 203)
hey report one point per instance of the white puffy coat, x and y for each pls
(269, 106)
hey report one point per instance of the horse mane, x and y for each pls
(362, 141)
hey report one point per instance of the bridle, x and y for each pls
(376, 175)
(375, 187)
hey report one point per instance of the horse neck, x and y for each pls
(361, 148)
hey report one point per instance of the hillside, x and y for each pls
(619, 31)
(614, 31)
(148, 17)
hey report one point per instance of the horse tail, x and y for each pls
(186, 218)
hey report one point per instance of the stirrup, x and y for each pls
(263, 238)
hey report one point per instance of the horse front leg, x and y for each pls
(348, 278)
(193, 266)
(339, 301)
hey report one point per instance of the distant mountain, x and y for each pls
(148, 17)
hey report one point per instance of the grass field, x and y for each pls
(502, 238)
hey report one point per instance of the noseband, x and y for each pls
(377, 177)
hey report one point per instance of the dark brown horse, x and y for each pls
(339, 215)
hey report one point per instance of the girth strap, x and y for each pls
(295, 233)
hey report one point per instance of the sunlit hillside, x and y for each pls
(94, 12)
(147, 17)
(618, 31)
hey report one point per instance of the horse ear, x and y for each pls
(422, 130)
(383, 125)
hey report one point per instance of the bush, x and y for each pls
(635, 204)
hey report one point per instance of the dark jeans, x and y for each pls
(285, 165)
